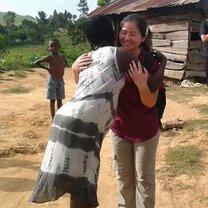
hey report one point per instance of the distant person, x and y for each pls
(204, 38)
(56, 67)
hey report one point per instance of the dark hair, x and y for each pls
(99, 31)
(141, 25)
(55, 40)
(206, 23)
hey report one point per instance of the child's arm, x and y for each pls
(155, 80)
(39, 63)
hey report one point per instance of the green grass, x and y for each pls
(184, 160)
(16, 90)
(20, 74)
(195, 124)
(184, 95)
(22, 57)
(203, 109)
(24, 49)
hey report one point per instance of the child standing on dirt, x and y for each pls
(55, 83)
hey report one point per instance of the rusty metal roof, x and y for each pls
(120, 6)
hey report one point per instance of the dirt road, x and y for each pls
(24, 129)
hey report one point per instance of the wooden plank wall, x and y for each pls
(172, 34)
(195, 63)
(175, 32)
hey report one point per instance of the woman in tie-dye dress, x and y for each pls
(71, 161)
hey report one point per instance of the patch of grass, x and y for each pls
(184, 95)
(200, 123)
(184, 160)
(21, 58)
(16, 90)
(203, 109)
(20, 74)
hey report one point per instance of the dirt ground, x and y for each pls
(24, 129)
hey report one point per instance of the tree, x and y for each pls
(55, 20)
(76, 31)
(3, 30)
(42, 22)
(101, 3)
(9, 19)
(42, 18)
(83, 8)
(22, 36)
(3, 44)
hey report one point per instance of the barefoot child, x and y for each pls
(55, 83)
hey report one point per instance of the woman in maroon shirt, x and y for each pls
(135, 130)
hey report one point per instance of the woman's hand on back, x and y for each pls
(82, 62)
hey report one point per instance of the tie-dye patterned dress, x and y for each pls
(71, 161)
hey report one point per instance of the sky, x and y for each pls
(32, 7)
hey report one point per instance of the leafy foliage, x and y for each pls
(21, 58)
(18, 19)
(76, 31)
(38, 32)
(101, 3)
(3, 44)
(83, 8)
(73, 52)
(9, 19)
(44, 28)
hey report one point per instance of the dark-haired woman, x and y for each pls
(71, 161)
(135, 129)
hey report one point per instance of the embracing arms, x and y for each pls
(147, 84)
(80, 64)
(155, 80)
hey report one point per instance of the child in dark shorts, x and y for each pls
(55, 83)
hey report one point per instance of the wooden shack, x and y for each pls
(174, 26)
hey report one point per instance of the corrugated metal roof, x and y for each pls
(120, 6)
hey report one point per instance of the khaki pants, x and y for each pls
(134, 165)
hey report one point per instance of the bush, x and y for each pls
(22, 57)
(72, 53)
(3, 45)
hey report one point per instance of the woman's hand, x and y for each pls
(80, 64)
(138, 74)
